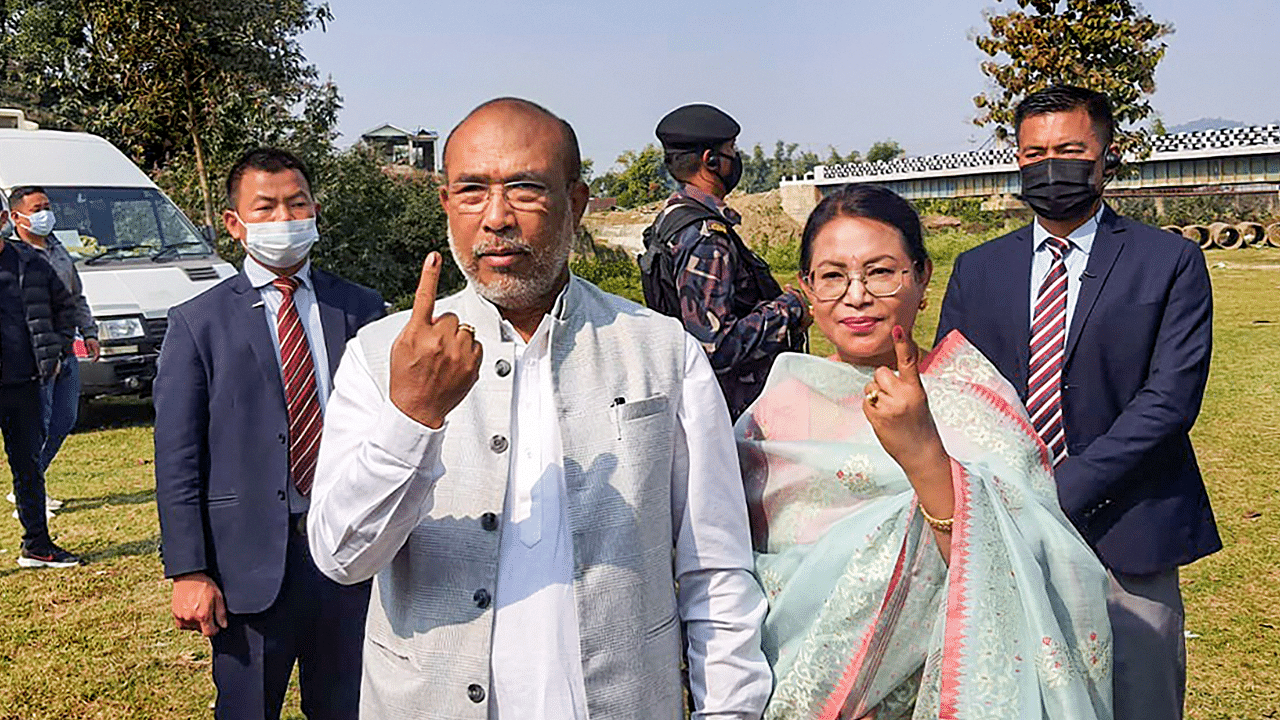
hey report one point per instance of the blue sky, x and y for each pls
(842, 72)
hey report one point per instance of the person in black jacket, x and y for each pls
(37, 328)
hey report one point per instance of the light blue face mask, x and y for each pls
(280, 244)
(41, 222)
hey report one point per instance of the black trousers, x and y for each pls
(314, 621)
(23, 429)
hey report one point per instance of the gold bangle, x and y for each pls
(942, 526)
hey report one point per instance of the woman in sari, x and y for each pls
(908, 532)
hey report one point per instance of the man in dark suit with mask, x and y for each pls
(1104, 326)
(243, 378)
(696, 267)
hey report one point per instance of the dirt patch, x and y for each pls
(940, 222)
(763, 222)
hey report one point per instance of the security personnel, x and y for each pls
(696, 267)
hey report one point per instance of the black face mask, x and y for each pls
(1060, 188)
(735, 171)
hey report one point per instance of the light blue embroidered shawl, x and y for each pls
(865, 619)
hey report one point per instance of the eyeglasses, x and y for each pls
(833, 284)
(524, 195)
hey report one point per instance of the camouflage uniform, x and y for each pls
(731, 304)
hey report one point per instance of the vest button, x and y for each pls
(489, 521)
(498, 444)
(281, 494)
(482, 598)
(281, 438)
(503, 368)
(475, 693)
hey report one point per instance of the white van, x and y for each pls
(137, 254)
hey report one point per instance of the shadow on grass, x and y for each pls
(115, 412)
(132, 548)
(73, 505)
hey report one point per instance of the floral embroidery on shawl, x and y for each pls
(865, 618)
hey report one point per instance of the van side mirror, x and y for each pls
(209, 234)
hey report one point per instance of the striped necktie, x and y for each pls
(299, 388)
(1048, 343)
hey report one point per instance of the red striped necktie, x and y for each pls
(1048, 344)
(299, 388)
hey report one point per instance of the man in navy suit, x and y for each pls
(243, 376)
(1104, 326)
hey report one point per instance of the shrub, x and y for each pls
(1202, 209)
(376, 228)
(782, 254)
(620, 276)
(967, 209)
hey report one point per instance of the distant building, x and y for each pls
(396, 146)
(597, 204)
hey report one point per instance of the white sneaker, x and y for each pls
(48, 514)
(49, 503)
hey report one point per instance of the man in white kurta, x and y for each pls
(527, 538)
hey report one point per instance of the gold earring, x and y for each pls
(924, 303)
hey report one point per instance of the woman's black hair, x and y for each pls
(873, 202)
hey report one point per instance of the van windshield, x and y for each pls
(123, 223)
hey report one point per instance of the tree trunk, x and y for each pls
(203, 174)
(202, 171)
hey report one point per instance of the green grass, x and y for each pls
(1233, 597)
(98, 641)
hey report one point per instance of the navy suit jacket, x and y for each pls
(221, 437)
(1137, 358)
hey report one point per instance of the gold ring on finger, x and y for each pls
(468, 328)
(873, 397)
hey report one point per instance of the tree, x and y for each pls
(787, 163)
(757, 171)
(601, 186)
(642, 178)
(69, 62)
(376, 228)
(166, 78)
(1110, 46)
(884, 151)
(834, 157)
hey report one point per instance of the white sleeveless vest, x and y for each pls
(427, 643)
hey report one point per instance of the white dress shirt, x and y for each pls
(1077, 260)
(536, 661)
(380, 468)
(304, 299)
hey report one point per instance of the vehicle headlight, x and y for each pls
(121, 328)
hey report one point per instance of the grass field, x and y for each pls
(98, 641)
